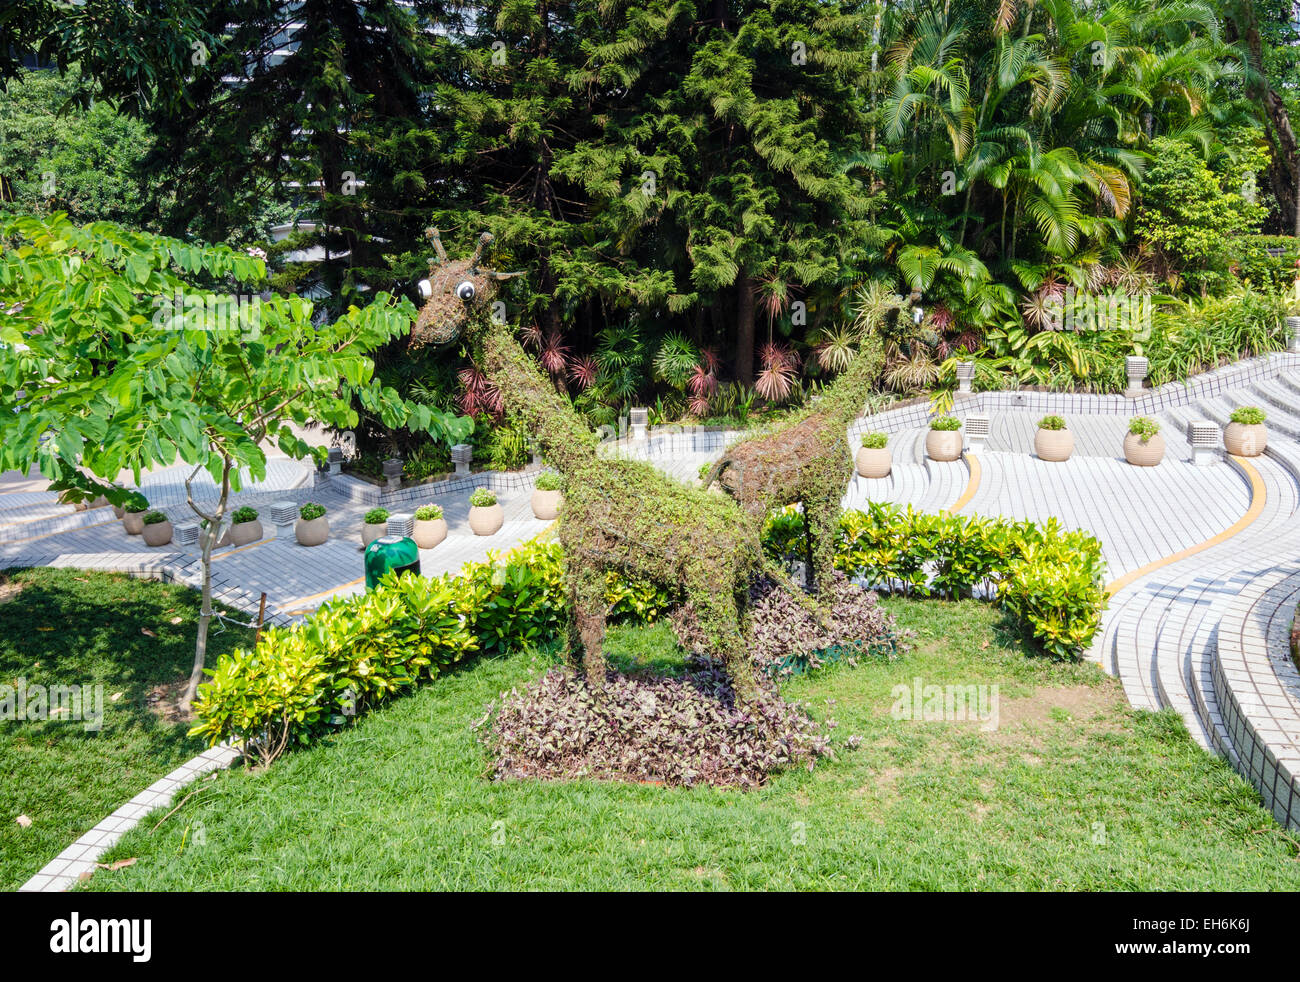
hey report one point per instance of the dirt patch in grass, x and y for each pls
(1071, 703)
(1027, 723)
(164, 702)
(8, 589)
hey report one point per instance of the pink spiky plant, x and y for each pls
(780, 363)
(478, 395)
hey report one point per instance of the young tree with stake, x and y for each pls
(102, 370)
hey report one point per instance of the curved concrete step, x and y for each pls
(1258, 688)
(1159, 633)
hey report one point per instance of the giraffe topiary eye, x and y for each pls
(425, 288)
(465, 290)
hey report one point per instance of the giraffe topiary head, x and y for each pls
(453, 293)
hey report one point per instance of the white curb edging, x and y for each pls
(63, 870)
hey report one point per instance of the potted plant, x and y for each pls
(430, 527)
(374, 525)
(874, 459)
(1143, 445)
(1246, 435)
(155, 527)
(133, 516)
(1053, 441)
(943, 442)
(245, 527)
(485, 516)
(547, 496)
(312, 527)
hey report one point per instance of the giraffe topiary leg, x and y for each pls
(822, 516)
(587, 593)
(718, 616)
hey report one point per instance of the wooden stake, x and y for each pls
(261, 613)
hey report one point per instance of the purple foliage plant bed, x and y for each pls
(787, 638)
(688, 730)
(675, 731)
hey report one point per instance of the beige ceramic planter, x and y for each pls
(1142, 454)
(133, 522)
(203, 538)
(546, 504)
(486, 519)
(943, 444)
(313, 532)
(369, 533)
(242, 533)
(427, 533)
(157, 534)
(874, 461)
(1053, 445)
(1245, 439)
(119, 511)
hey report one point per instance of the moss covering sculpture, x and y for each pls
(805, 459)
(618, 514)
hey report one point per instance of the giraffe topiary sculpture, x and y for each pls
(805, 459)
(619, 514)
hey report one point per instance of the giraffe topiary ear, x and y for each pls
(484, 241)
(432, 235)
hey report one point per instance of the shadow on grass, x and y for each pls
(77, 627)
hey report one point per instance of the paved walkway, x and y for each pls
(35, 530)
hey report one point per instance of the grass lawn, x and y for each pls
(74, 627)
(1073, 790)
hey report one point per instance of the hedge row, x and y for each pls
(1049, 578)
(358, 652)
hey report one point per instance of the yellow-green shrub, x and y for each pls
(1050, 579)
(357, 652)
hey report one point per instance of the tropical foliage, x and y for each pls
(713, 200)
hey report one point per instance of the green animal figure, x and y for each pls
(621, 515)
(805, 459)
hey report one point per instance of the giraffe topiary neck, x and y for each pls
(566, 440)
(844, 398)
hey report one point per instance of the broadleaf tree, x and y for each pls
(125, 350)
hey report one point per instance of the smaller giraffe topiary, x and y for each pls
(805, 459)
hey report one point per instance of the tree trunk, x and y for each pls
(1284, 158)
(745, 328)
(205, 608)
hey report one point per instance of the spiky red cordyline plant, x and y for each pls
(531, 335)
(479, 395)
(775, 295)
(780, 364)
(583, 372)
(703, 382)
(554, 354)
(709, 359)
(704, 377)
(969, 341)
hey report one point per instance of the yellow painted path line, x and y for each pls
(243, 548)
(315, 596)
(1258, 498)
(972, 485)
